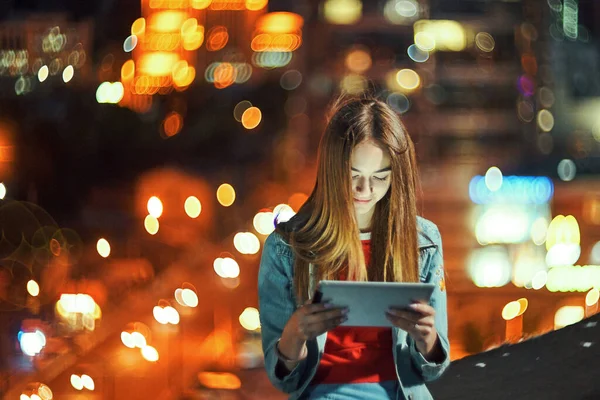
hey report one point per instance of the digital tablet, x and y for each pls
(367, 302)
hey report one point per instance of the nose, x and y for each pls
(363, 186)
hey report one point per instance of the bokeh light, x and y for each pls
(246, 243)
(568, 315)
(43, 73)
(172, 124)
(342, 12)
(493, 179)
(155, 207)
(358, 60)
(103, 247)
(408, 79)
(68, 73)
(226, 267)
(264, 222)
(251, 117)
(149, 353)
(566, 170)
(226, 194)
(192, 207)
(485, 42)
(249, 319)
(591, 298)
(151, 225)
(289, 80)
(33, 288)
(2, 191)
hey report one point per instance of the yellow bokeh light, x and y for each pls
(353, 83)
(425, 41)
(155, 207)
(151, 224)
(255, 5)
(138, 27)
(167, 21)
(103, 247)
(44, 392)
(226, 195)
(43, 73)
(192, 207)
(568, 315)
(2, 191)
(149, 353)
(251, 117)
(511, 310)
(563, 230)
(200, 4)
(33, 288)
(591, 298)
(250, 319)
(68, 73)
(445, 35)
(545, 120)
(408, 79)
(523, 304)
(342, 12)
(157, 63)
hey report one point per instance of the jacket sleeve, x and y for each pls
(431, 370)
(277, 304)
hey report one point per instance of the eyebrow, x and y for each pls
(386, 169)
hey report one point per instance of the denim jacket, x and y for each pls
(277, 302)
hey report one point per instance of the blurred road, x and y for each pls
(204, 340)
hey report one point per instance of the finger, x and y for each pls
(317, 307)
(402, 323)
(325, 315)
(422, 308)
(406, 314)
(316, 329)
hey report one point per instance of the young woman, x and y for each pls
(359, 223)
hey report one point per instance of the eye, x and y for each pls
(382, 179)
(355, 176)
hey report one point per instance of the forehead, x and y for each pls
(368, 156)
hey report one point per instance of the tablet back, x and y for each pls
(368, 301)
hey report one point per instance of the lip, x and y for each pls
(362, 201)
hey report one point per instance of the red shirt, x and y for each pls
(357, 354)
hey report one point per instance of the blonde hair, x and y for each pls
(324, 231)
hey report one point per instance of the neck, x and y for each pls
(364, 222)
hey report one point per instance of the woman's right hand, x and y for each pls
(312, 320)
(306, 323)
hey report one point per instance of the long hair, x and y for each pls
(325, 232)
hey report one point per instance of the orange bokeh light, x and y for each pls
(279, 22)
(217, 38)
(251, 117)
(138, 27)
(128, 71)
(172, 124)
(224, 75)
(296, 200)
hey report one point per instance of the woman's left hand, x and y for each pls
(418, 321)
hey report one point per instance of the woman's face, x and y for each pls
(371, 179)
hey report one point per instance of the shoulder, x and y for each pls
(428, 233)
(277, 245)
